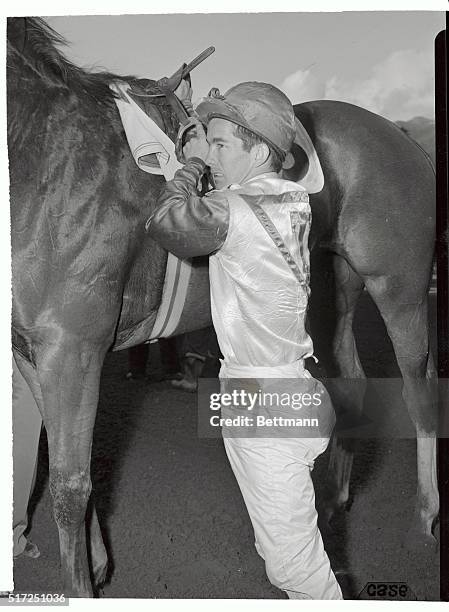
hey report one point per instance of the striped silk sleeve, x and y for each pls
(185, 223)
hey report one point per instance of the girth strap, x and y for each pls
(173, 100)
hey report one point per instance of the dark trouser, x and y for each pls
(201, 344)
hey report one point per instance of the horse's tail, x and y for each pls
(426, 155)
(430, 162)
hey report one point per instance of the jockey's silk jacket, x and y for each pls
(258, 305)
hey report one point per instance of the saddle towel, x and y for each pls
(146, 138)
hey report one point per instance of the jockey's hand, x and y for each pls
(192, 138)
(196, 144)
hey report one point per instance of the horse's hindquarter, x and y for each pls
(78, 208)
(382, 186)
(377, 208)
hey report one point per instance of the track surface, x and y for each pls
(173, 517)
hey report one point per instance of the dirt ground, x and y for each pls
(173, 517)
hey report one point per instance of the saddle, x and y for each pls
(146, 92)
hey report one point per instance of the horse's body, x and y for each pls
(375, 222)
(84, 271)
(81, 261)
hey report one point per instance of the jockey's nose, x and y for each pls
(210, 157)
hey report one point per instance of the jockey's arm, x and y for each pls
(185, 223)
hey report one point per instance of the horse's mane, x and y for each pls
(40, 52)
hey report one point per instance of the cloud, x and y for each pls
(399, 87)
(303, 85)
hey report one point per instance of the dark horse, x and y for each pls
(85, 274)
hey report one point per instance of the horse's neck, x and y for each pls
(26, 89)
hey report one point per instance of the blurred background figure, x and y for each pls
(168, 365)
(27, 423)
(199, 354)
(182, 359)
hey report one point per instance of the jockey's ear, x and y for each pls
(262, 153)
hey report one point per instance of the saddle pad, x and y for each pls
(185, 306)
(146, 138)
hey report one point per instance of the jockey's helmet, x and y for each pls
(259, 107)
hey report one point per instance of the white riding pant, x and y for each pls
(274, 476)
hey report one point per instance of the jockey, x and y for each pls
(255, 225)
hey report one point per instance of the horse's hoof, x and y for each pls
(326, 523)
(325, 527)
(99, 592)
(31, 550)
(331, 509)
(100, 575)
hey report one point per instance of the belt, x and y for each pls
(285, 370)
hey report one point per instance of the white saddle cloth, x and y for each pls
(146, 138)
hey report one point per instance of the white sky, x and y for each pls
(380, 60)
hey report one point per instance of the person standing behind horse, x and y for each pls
(258, 303)
(27, 425)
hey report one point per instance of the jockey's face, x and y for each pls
(228, 161)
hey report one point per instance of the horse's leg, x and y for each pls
(406, 320)
(98, 554)
(69, 375)
(347, 395)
